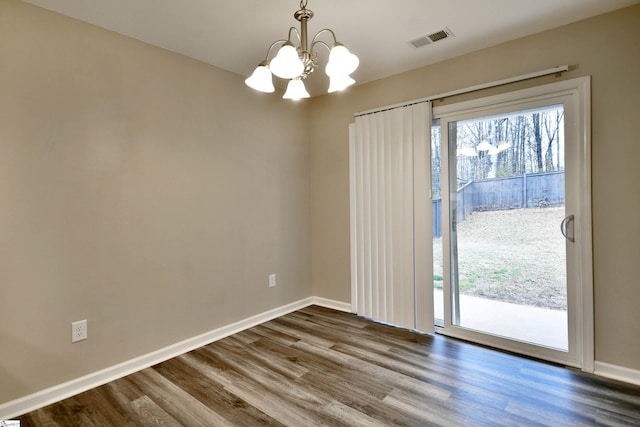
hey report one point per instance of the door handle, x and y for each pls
(564, 227)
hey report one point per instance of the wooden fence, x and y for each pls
(534, 190)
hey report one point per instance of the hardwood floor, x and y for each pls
(321, 367)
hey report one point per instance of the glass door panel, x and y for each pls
(507, 199)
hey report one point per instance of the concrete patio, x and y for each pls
(524, 323)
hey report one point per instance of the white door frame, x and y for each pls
(575, 95)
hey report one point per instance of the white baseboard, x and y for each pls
(616, 372)
(62, 391)
(329, 303)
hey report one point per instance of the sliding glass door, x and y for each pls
(507, 199)
(511, 193)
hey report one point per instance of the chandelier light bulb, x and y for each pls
(287, 63)
(484, 146)
(296, 90)
(467, 151)
(503, 145)
(341, 61)
(339, 82)
(261, 79)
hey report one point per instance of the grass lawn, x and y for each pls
(514, 256)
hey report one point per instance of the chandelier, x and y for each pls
(297, 63)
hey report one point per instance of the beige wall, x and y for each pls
(604, 47)
(146, 192)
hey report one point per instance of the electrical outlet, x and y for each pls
(79, 331)
(272, 280)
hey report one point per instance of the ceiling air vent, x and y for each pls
(445, 33)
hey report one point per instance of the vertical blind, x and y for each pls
(391, 243)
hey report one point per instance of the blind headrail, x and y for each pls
(555, 70)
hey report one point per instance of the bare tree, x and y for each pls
(518, 145)
(537, 135)
(552, 130)
(436, 169)
(533, 144)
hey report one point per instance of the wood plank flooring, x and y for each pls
(321, 367)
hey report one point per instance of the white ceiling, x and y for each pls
(235, 35)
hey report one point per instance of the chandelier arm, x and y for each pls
(326, 30)
(294, 30)
(313, 45)
(266, 58)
